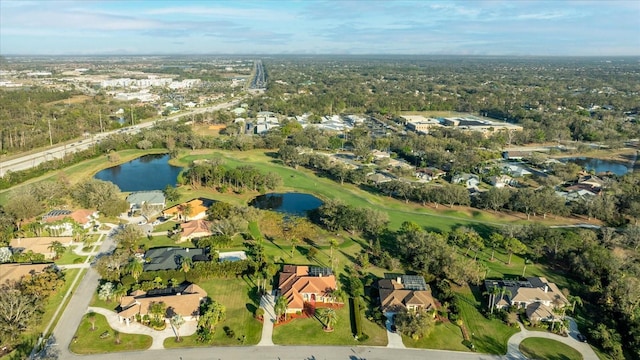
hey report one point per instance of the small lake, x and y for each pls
(289, 203)
(599, 165)
(149, 172)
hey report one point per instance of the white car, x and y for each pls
(157, 222)
(143, 222)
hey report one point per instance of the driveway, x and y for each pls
(394, 338)
(513, 346)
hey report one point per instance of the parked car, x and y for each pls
(142, 222)
(157, 222)
(581, 338)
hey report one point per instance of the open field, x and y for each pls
(89, 341)
(445, 336)
(77, 99)
(539, 348)
(240, 300)
(308, 331)
(441, 219)
(488, 336)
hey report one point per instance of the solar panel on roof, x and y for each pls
(53, 213)
(319, 271)
(414, 282)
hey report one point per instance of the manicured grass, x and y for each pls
(69, 257)
(237, 296)
(88, 341)
(163, 240)
(309, 331)
(303, 180)
(488, 336)
(539, 348)
(109, 305)
(445, 336)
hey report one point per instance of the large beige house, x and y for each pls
(184, 300)
(407, 291)
(536, 295)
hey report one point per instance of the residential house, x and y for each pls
(195, 229)
(154, 199)
(536, 295)
(63, 219)
(39, 245)
(171, 258)
(378, 178)
(410, 292)
(501, 181)
(15, 272)
(198, 210)
(592, 181)
(306, 284)
(183, 300)
(470, 181)
(429, 174)
(515, 170)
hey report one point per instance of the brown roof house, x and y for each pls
(184, 300)
(536, 295)
(15, 272)
(406, 291)
(195, 229)
(39, 245)
(306, 284)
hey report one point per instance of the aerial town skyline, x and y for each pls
(558, 28)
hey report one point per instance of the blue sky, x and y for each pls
(478, 27)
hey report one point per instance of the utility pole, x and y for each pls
(100, 114)
(50, 137)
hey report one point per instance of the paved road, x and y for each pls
(59, 151)
(70, 319)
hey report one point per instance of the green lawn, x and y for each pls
(236, 295)
(69, 257)
(88, 341)
(445, 336)
(539, 348)
(488, 336)
(309, 331)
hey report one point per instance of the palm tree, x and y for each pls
(329, 317)
(116, 335)
(280, 307)
(135, 268)
(492, 296)
(157, 309)
(575, 300)
(333, 243)
(92, 319)
(119, 292)
(294, 243)
(57, 248)
(186, 264)
(177, 321)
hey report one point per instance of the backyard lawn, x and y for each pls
(445, 336)
(103, 339)
(309, 331)
(240, 303)
(488, 336)
(539, 348)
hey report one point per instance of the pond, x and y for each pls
(599, 165)
(289, 203)
(149, 172)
